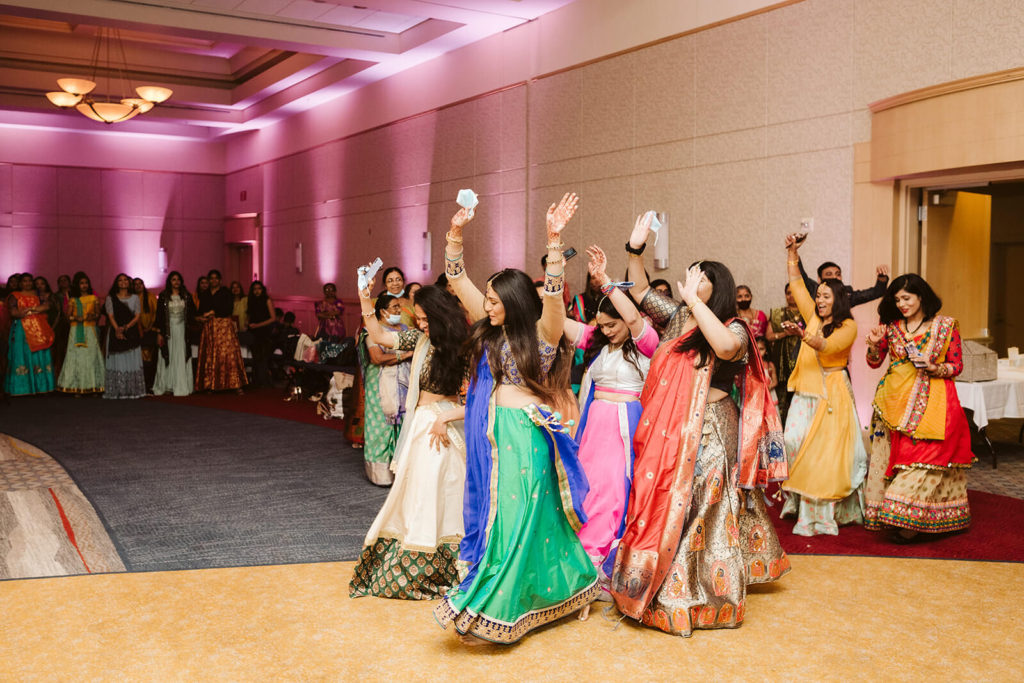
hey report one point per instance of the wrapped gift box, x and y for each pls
(980, 363)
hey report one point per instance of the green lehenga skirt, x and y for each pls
(534, 569)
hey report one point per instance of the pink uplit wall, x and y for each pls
(376, 193)
(59, 219)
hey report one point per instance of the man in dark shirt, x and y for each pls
(220, 357)
(831, 271)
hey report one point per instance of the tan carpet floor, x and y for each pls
(831, 618)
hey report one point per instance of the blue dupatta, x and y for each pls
(481, 456)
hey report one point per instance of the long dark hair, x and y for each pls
(522, 311)
(911, 283)
(840, 305)
(448, 335)
(599, 340)
(144, 297)
(722, 303)
(76, 284)
(256, 303)
(114, 288)
(168, 290)
(49, 289)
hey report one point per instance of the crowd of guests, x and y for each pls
(546, 451)
(130, 342)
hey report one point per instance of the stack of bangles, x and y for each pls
(453, 268)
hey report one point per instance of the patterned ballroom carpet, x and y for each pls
(183, 487)
(214, 483)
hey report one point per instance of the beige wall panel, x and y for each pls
(555, 174)
(663, 157)
(413, 151)
(670, 193)
(815, 185)
(513, 180)
(730, 77)
(986, 36)
(512, 239)
(489, 133)
(665, 99)
(861, 125)
(729, 147)
(607, 120)
(604, 218)
(728, 219)
(513, 125)
(809, 60)
(554, 117)
(455, 142)
(607, 165)
(809, 135)
(899, 46)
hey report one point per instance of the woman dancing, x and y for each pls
(827, 458)
(381, 367)
(524, 565)
(920, 445)
(617, 353)
(412, 546)
(697, 532)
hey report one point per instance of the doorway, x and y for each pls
(970, 248)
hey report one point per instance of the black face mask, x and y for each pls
(743, 305)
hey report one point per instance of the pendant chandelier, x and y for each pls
(74, 92)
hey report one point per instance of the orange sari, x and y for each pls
(666, 443)
(38, 332)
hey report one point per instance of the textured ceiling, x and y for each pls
(233, 64)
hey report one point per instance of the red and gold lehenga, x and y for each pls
(697, 532)
(920, 443)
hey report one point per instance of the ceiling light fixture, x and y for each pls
(75, 92)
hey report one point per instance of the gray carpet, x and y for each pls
(181, 487)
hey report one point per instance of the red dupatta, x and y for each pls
(667, 442)
(38, 333)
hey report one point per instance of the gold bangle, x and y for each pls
(455, 240)
(792, 263)
(555, 261)
(556, 246)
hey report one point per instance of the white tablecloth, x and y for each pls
(1002, 397)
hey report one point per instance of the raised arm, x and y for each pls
(552, 317)
(635, 248)
(802, 296)
(455, 267)
(374, 330)
(726, 344)
(597, 267)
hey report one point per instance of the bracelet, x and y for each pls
(639, 251)
(455, 240)
(554, 261)
(550, 274)
(369, 315)
(793, 263)
(453, 259)
(550, 246)
(607, 288)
